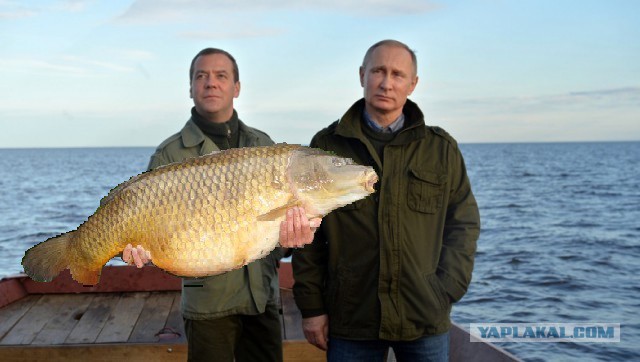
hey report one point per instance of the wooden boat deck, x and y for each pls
(134, 314)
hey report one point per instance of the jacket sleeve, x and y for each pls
(461, 230)
(157, 160)
(309, 271)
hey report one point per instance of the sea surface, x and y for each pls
(560, 240)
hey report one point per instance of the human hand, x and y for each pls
(137, 255)
(297, 230)
(316, 330)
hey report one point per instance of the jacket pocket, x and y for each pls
(440, 296)
(341, 300)
(425, 191)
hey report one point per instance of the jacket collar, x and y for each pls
(350, 123)
(192, 136)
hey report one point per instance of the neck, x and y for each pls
(383, 119)
(206, 121)
(217, 117)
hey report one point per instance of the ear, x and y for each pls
(236, 92)
(362, 76)
(191, 91)
(413, 85)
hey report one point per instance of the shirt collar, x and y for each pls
(392, 128)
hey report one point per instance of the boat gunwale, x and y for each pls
(125, 278)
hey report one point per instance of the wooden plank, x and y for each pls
(175, 322)
(463, 350)
(12, 313)
(26, 330)
(291, 316)
(153, 318)
(121, 322)
(102, 307)
(157, 352)
(295, 351)
(70, 309)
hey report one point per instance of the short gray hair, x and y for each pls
(395, 43)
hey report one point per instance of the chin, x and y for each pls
(383, 107)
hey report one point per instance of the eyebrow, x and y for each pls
(224, 71)
(384, 67)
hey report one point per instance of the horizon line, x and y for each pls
(460, 143)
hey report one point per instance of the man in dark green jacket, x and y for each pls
(232, 316)
(383, 272)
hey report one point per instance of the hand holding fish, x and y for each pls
(297, 230)
(137, 255)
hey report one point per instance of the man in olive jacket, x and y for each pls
(384, 271)
(232, 316)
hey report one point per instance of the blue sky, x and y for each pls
(115, 73)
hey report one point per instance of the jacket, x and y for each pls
(391, 265)
(241, 291)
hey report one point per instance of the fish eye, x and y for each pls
(338, 162)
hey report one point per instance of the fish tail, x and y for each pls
(46, 260)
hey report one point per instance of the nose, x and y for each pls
(386, 82)
(211, 82)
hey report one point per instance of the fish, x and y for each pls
(205, 215)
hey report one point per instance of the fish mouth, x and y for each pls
(370, 179)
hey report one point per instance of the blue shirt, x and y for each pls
(392, 128)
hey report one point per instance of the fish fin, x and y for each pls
(213, 152)
(46, 260)
(86, 277)
(279, 211)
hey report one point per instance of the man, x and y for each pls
(235, 314)
(383, 272)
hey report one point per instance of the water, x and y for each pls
(46, 192)
(560, 242)
(560, 239)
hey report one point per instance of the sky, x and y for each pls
(85, 73)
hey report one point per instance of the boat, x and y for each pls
(134, 315)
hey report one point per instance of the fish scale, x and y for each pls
(205, 215)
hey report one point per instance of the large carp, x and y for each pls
(206, 215)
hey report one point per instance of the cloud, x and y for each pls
(16, 10)
(72, 5)
(153, 11)
(89, 64)
(602, 98)
(622, 93)
(605, 114)
(16, 14)
(239, 34)
(34, 65)
(66, 65)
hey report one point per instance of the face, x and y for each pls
(388, 79)
(213, 87)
